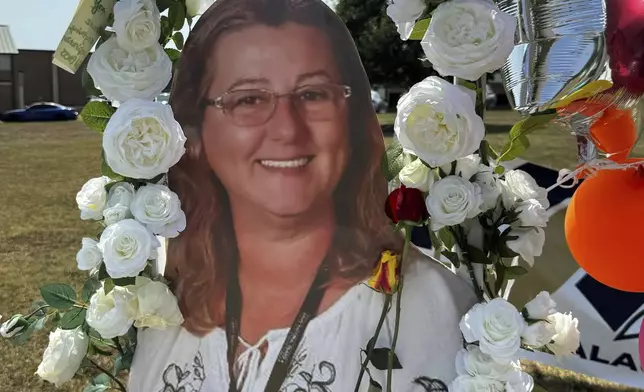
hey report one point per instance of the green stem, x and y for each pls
(116, 380)
(381, 321)
(405, 253)
(118, 345)
(36, 311)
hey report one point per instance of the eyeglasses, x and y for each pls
(255, 107)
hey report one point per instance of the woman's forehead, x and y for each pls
(280, 54)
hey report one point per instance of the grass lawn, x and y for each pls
(43, 165)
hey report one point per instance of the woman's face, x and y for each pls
(284, 155)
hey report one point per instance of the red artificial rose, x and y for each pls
(406, 204)
(625, 43)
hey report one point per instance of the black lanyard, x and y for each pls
(308, 310)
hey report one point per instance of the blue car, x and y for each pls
(41, 111)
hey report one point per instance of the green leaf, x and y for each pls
(380, 359)
(97, 349)
(453, 257)
(58, 295)
(518, 134)
(123, 362)
(166, 30)
(96, 388)
(124, 281)
(88, 84)
(163, 5)
(420, 28)
(516, 271)
(393, 161)
(374, 386)
(177, 38)
(89, 288)
(467, 84)
(476, 255)
(97, 114)
(102, 272)
(108, 285)
(447, 238)
(174, 54)
(500, 276)
(73, 318)
(177, 15)
(499, 170)
(106, 170)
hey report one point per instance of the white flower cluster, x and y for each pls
(141, 142)
(465, 38)
(496, 331)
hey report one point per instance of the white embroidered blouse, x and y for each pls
(329, 356)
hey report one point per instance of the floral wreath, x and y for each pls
(445, 178)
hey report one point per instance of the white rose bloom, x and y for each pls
(120, 193)
(63, 356)
(538, 334)
(519, 381)
(475, 384)
(566, 338)
(157, 306)
(404, 14)
(468, 38)
(92, 197)
(122, 75)
(518, 185)
(110, 315)
(89, 256)
(532, 213)
(197, 7)
(14, 326)
(466, 167)
(529, 243)
(436, 121)
(127, 246)
(473, 362)
(137, 24)
(143, 140)
(157, 207)
(497, 326)
(417, 175)
(117, 213)
(541, 306)
(490, 189)
(452, 200)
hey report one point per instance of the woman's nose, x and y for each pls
(287, 122)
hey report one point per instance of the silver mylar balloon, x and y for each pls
(560, 48)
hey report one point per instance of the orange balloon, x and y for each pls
(614, 133)
(605, 228)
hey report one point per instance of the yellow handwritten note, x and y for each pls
(90, 19)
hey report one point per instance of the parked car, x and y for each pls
(41, 111)
(379, 105)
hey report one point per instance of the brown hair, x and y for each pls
(199, 258)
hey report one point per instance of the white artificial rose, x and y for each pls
(63, 356)
(490, 190)
(467, 383)
(538, 334)
(127, 246)
(89, 256)
(157, 306)
(472, 361)
(120, 193)
(417, 175)
(518, 186)
(404, 14)
(157, 207)
(532, 213)
(497, 326)
(528, 244)
(143, 140)
(541, 306)
(92, 197)
(566, 338)
(436, 121)
(110, 314)
(519, 381)
(468, 38)
(14, 326)
(466, 167)
(137, 24)
(197, 7)
(114, 214)
(452, 200)
(123, 75)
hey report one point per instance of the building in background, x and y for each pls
(28, 76)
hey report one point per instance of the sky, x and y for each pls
(40, 24)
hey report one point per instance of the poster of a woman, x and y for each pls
(284, 200)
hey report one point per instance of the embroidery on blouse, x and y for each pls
(431, 384)
(317, 380)
(176, 379)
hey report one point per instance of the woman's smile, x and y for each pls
(288, 164)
